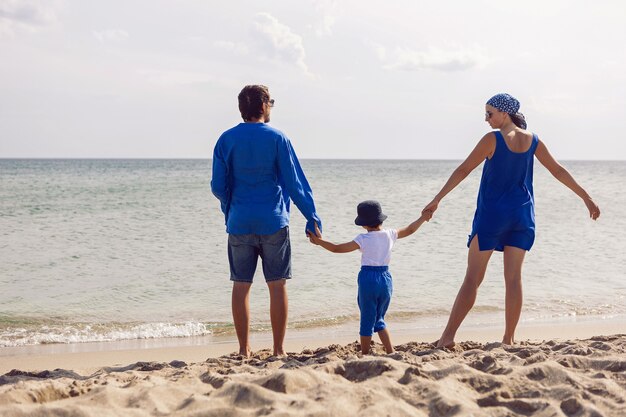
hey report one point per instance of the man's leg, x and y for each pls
(279, 306)
(241, 314)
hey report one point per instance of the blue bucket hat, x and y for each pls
(369, 213)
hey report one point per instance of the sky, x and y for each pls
(351, 79)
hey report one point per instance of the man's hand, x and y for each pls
(318, 232)
(314, 238)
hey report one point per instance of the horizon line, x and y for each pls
(304, 159)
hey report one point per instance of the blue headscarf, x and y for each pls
(508, 104)
(504, 102)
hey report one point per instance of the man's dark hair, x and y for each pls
(251, 100)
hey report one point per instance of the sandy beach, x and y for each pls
(536, 377)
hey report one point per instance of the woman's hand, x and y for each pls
(594, 210)
(430, 208)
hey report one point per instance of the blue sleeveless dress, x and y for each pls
(505, 212)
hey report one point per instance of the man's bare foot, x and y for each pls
(245, 353)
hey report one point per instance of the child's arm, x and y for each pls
(332, 247)
(341, 248)
(412, 228)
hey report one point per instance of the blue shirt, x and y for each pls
(255, 175)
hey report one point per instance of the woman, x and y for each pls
(505, 215)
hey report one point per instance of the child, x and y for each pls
(375, 285)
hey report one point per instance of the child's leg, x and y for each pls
(384, 298)
(367, 306)
(385, 338)
(366, 341)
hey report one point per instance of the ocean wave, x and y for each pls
(83, 333)
(568, 307)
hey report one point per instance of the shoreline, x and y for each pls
(89, 357)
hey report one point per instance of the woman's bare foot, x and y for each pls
(449, 344)
(508, 341)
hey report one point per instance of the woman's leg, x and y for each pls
(477, 261)
(513, 260)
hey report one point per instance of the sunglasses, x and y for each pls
(488, 114)
(271, 102)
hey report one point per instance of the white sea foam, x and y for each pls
(89, 333)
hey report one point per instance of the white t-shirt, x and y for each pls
(376, 246)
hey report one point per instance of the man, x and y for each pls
(255, 174)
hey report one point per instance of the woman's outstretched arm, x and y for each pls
(483, 149)
(560, 173)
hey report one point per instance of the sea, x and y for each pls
(112, 250)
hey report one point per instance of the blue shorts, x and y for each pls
(274, 251)
(375, 289)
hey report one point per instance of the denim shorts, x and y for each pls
(375, 289)
(274, 251)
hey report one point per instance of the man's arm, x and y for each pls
(219, 180)
(297, 185)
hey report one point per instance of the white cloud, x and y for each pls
(328, 10)
(555, 105)
(25, 15)
(173, 78)
(279, 41)
(325, 26)
(111, 35)
(458, 59)
(234, 47)
(380, 51)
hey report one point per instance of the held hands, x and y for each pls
(594, 210)
(315, 238)
(430, 209)
(427, 215)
